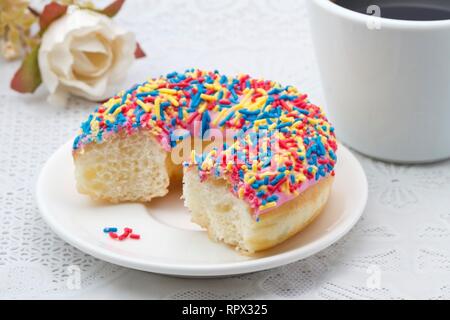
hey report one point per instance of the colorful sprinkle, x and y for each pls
(127, 233)
(282, 143)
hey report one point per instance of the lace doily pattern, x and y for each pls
(399, 249)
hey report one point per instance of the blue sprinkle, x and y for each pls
(124, 98)
(275, 91)
(86, 126)
(249, 113)
(75, 143)
(302, 111)
(223, 79)
(152, 93)
(114, 107)
(277, 179)
(266, 163)
(287, 97)
(284, 125)
(228, 117)
(332, 154)
(205, 123)
(233, 94)
(171, 75)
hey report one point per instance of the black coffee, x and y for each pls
(425, 10)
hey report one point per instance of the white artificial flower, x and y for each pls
(83, 53)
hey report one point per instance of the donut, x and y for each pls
(256, 158)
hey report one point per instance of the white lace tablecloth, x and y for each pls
(399, 249)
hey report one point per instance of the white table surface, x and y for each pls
(399, 249)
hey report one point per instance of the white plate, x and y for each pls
(170, 243)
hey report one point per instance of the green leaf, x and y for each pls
(113, 8)
(51, 12)
(139, 53)
(28, 78)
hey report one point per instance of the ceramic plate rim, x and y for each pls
(219, 269)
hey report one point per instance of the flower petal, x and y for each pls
(113, 8)
(51, 12)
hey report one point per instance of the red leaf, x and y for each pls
(113, 8)
(139, 53)
(51, 12)
(28, 78)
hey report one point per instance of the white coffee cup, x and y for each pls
(386, 82)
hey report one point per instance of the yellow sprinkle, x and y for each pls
(117, 111)
(267, 174)
(259, 103)
(285, 186)
(249, 93)
(255, 165)
(268, 205)
(94, 126)
(202, 107)
(283, 118)
(110, 103)
(219, 116)
(149, 87)
(260, 122)
(251, 180)
(314, 121)
(168, 91)
(262, 91)
(241, 193)
(215, 87)
(158, 108)
(229, 166)
(143, 105)
(172, 100)
(207, 97)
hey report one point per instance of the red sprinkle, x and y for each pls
(128, 230)
(135, 236)
(113, 235)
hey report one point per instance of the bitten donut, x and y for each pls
(256, 158)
